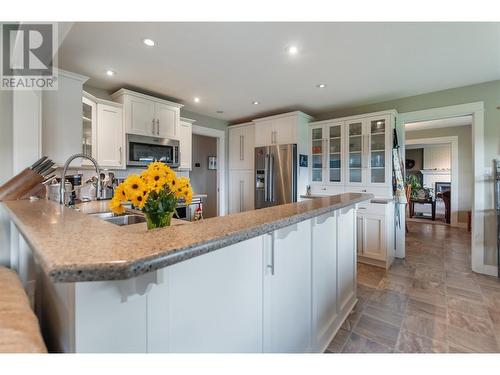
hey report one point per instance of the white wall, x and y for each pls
(6, 111)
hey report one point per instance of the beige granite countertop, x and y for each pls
(72, 246)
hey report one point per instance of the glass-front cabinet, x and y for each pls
(326, 149)
(354, 152)
(89, 133)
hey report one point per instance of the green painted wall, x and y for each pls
(489, 94)
(206, 121)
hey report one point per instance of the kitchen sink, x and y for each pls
(120, 220)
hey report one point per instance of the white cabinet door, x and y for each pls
(285, 130)
(241, 147)
(186, 145)
(372, 234)
(356, 153)
(287, 290)
(317, 154)
(264, 133)
(378, 150)
(219, 310)
(167, 121)
(110, 136)
(324, 279)
(140, 116)
(346, 261)
(241, 191)
(335, 152)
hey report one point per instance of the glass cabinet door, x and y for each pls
(335, 149)
(355, 152)
(377, 153)
(317, 154)
(89, 129)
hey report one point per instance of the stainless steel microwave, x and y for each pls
(142, 150)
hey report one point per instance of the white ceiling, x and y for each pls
(229, 65)
(441, 123)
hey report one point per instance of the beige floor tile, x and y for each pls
(426, 310)
(463, 293)
(386, 315)
(338, 341)
(432, 328)
(389, 300)
(467, 306)
(359, 344)
(377, 330)
(409, 342)
(459, 338)
(471, 323)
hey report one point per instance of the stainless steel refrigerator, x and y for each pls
(275, 175)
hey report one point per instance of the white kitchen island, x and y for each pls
(280, 279)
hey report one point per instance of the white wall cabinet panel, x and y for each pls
(241, 191)
(62, 118)
(140, 116)
(147, 115)
(281, 129)
(110, 136)
(167, 121)
(186, 144)
(287, 290)
(241, 147)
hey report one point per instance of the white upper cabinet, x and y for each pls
(186, 143)
(241, 147)
(353, 152)
(110, 136)
(280, 129)
(326, 147)
(150, 116)
(103, 132)
(62, 131)
(167, 120)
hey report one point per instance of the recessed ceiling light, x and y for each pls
(110, 73)
(196, 99)
(149, 42)
(255, 102)
(292, 50)
(321, 85)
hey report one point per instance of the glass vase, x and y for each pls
(156, 220)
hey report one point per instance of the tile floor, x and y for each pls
(430, 303)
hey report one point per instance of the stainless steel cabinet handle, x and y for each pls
(120, 149)
(153, 130)
(157, 126)
(241, 195)
(242, 141)
(271, 266)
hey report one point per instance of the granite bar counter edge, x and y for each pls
(71, 246)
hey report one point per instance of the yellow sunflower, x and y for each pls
(134, 184)
(139, 198)
(120, 193)
(115, 206)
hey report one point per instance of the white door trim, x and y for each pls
(221, 167)
(453, 140)
(475, 109)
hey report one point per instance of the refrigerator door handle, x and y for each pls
(271, 178)
(266, 179)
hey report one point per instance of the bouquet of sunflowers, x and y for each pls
(156, 192)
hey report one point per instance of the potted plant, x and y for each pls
(156, 192)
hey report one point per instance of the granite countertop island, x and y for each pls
(71, 246)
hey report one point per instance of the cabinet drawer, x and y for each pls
(371, 208)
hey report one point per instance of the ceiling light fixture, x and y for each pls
(292, 50)
(255, 102)
(149, 42)
(110, 73)
(196, 99)
(321, 85)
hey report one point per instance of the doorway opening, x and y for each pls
(207, 170)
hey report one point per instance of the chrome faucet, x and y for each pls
(63, 176)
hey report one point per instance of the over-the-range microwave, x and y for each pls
(142, 150)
